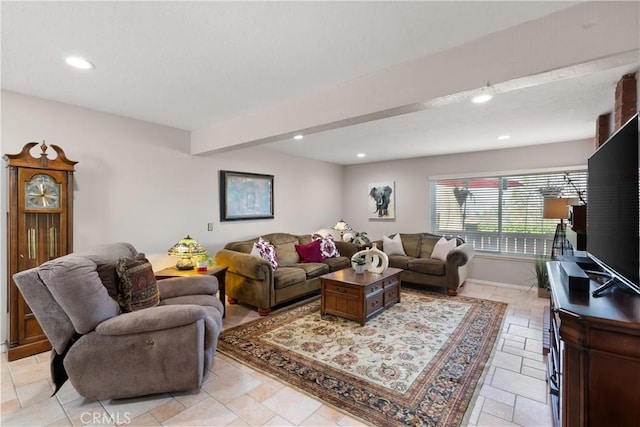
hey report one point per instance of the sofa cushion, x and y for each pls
(442, 248)
(337, 263)
(288, 276)
(399, 261)
(427, 266)
(138, 288)
(393, 246)
(310, 252)
(427, 243)
(411, 243)
(313, 269)
(72, 279)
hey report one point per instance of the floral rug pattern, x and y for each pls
(416, 363)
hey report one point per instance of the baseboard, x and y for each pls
(498, 284)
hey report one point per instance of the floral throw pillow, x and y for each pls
(327, 246)
(268, 252)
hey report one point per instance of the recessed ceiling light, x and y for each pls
(482, 98)
(298, 136)
(78, 62)
(361, 155)
(503, 137)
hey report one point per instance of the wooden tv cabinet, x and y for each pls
(594, 358)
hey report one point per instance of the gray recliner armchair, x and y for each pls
(107, 353)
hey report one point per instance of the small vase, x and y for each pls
(359, 269)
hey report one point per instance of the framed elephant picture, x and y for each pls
(381, 199)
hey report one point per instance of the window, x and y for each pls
(503, 214)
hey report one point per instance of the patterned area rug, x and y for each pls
(417, 363)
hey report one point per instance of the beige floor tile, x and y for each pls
(167, 410)
(37, 414)
(507, 361)
(9, 406)
(278, 421)
(208, 412)
(7, 391)
(143, 420)
(83, 411)
(475, 413)
(520, 384)
(250, 410)
(315, 420)
(330, 413)
(67, 393)
(531, 413)
(62, 422)
(534, 345)
(230, 385)
(136, 406)
(35, 392)
(498, 395)
(498, 409)
(488, 420)
(264, 391)
(525, 332)
(292, 405)
(535, 373)
(29, 371)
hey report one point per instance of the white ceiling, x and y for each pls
(191, 65)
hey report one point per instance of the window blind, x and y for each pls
(503, 214)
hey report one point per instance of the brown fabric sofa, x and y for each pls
(107, 354)
(419, 268)
(250, 279)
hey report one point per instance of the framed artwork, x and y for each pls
(245, 196)
(381, 200)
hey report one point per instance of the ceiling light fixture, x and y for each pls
(78, 62)
(298, 137)
(361, 155)
(484, 96)
(503, 137)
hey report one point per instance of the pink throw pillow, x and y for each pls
(327, 246)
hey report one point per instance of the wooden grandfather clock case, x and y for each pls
(39, 228)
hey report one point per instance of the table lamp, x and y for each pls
(557, 208)
(186, 249)
(342, 226)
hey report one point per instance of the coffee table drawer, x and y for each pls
(392, 295)
(342, 289)
(374, 304)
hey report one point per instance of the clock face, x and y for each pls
(42, 192)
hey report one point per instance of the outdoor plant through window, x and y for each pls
(503, 214)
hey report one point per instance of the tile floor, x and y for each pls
(513, 393)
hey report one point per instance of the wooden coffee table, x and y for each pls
(359, 296)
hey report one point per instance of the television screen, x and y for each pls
(613, 220)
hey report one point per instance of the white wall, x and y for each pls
(412, 194)
(136, 181)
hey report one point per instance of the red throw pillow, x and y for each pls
(310, 252)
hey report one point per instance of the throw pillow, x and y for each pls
(327, 246)
(310, 252)
(137, 288)
(393, 246)
(268, 252)
(255, 251)
(442, 248)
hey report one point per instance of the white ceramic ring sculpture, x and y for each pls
(376, 260)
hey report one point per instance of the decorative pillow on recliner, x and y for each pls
(327, 246)
(137, 288)
(310, 252)
(268, 252)
(393, 246)
(75, 285)
(442, 248)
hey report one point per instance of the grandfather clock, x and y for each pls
(39, 228)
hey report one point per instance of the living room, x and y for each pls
(150, 185)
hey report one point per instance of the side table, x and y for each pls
(215, 270)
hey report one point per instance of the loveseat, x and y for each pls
(162, 339)
(419, 268)
(252, 280)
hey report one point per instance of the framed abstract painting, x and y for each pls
(245, 196)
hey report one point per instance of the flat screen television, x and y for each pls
(613, 218)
